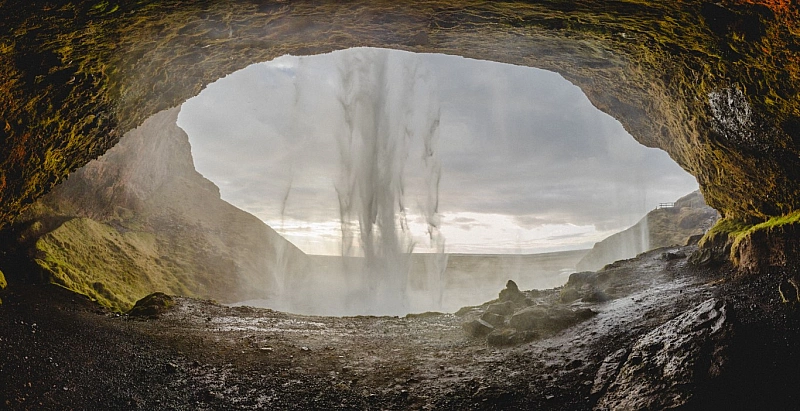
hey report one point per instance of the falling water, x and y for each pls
(388, 110)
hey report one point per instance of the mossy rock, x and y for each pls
(152, 306)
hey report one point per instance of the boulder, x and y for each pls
(496, 320)
(667, 366)
(503, 308)
(152, 305)
(477, 328)
(512, 293)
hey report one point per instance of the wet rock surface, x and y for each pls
(60, 351)
(665, 367)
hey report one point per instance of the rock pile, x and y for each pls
(517, 317)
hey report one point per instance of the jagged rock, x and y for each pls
(504, 308)
(152, 305)
(496, 320)
(509, 336)
(667, 365)
(512, 293)
(477, 328)
(608, 370)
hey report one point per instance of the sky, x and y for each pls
(523, 161)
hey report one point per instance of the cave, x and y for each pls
(714, 84)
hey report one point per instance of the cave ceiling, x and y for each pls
(714, 84)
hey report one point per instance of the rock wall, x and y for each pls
(716, 84)
(140, 219)
(659, 228)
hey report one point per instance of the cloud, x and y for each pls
(512, 141)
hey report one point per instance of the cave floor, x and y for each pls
(60, 351)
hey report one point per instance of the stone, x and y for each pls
(608, 370)
(503, 308)
(496, 320)
(666, 365)
(528, 318)
(477, 328)
(152, 305)
(512, 293)
(509, 336)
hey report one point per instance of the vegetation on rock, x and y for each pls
(152, 306)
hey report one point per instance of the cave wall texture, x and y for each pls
(714, 84)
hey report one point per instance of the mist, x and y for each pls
(396, 161)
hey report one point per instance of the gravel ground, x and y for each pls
(60, 351)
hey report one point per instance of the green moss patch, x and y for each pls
(732, 232)
(113, 268)
(152, 306)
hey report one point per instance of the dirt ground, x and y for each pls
(60, 351)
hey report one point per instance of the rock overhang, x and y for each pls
(715, 84)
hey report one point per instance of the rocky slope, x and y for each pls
(662, 227)
(141, 219)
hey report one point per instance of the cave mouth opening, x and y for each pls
(419, 182)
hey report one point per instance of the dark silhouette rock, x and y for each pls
(512, 293)
(477, 328)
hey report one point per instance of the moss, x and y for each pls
(732, 232)
(152, 305)
(115, 269)
(722, 232)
